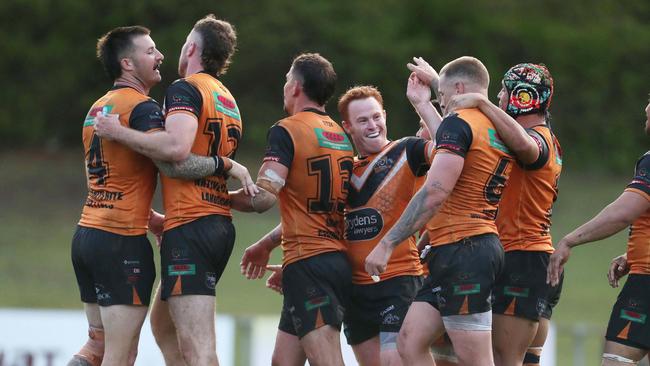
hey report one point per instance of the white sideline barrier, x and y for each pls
(51, 337)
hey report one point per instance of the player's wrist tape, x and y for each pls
(218, 165)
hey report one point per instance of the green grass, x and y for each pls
(43, 195)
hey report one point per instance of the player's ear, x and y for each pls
(346, 126)
(126, 63)
(460, 87)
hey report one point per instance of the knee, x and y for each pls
(405, 344)
(132, 356)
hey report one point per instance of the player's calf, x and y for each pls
(92, 353)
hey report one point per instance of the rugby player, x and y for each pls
(383, 181)
(307, 165)
(523, 300)
(461, 197)
(202, 117)
(628, 331)
(111, 255)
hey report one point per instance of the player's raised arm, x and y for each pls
(419, 94)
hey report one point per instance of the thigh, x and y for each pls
(367, 352)
(122, 324)
(193, 317)
(316, 291)
(511, 336)
(121, 267)
(629, 324)
(288, 351)
(194, 255)
(472, 347)
(422, 325)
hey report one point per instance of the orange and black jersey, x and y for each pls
(319, 157)
(471, 207)
(638, 243)
(120, 181)
(218, 133)
(381, 187)
(524, 219)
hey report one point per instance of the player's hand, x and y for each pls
(377, 260)
(254, 261)
(463, 101)
(417, 91)
(156, 222)
(240, 173)
(617, 269)
(556, 263)
(107, 126)
(424, 71)
(274, 282)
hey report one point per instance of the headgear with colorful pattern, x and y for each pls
(530, 89)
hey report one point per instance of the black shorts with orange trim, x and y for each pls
(379, 307)
(629, 324)
(316, 293)
(522, 290)
(462, 275)
(193, 256)
(113, 269)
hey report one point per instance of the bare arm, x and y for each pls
(194, 167)
(419, 94)
(172, 144)
(270, 180)
(510, 131)
(441, 179)
(615, 217)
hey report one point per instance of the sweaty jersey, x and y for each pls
(524, 219)
(471, 208)
(381, 187)
(319, 157)
(120, 181)
(218, 133)
(638, 243)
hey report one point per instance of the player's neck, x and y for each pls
(304, 104)
(193, 67)
(132, 81)
(531, 120)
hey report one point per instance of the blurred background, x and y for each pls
(596, 52)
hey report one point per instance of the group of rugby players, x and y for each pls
(478, 184)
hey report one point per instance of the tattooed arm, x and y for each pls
(441, 179)
(256, 257)
(194, 167)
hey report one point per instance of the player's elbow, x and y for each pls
(177, 153)
(526, 152)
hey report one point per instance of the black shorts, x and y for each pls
(113, 269)
(316, 293)
(193, 256)
(522, 290)
(462, 275)
(629, 324)
(379, 307)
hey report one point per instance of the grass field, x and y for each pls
(42, 196)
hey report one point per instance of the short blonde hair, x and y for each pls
(469, 69)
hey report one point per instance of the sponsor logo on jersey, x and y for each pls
(516, 291)
(633, 316)
(181, 269)
(226, 106)
(90, 117)
(317, 302)
(467, 289)
(332, 140)
(495, 141)
(363, 224)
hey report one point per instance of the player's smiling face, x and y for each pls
(366, 125)
(146, 60)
